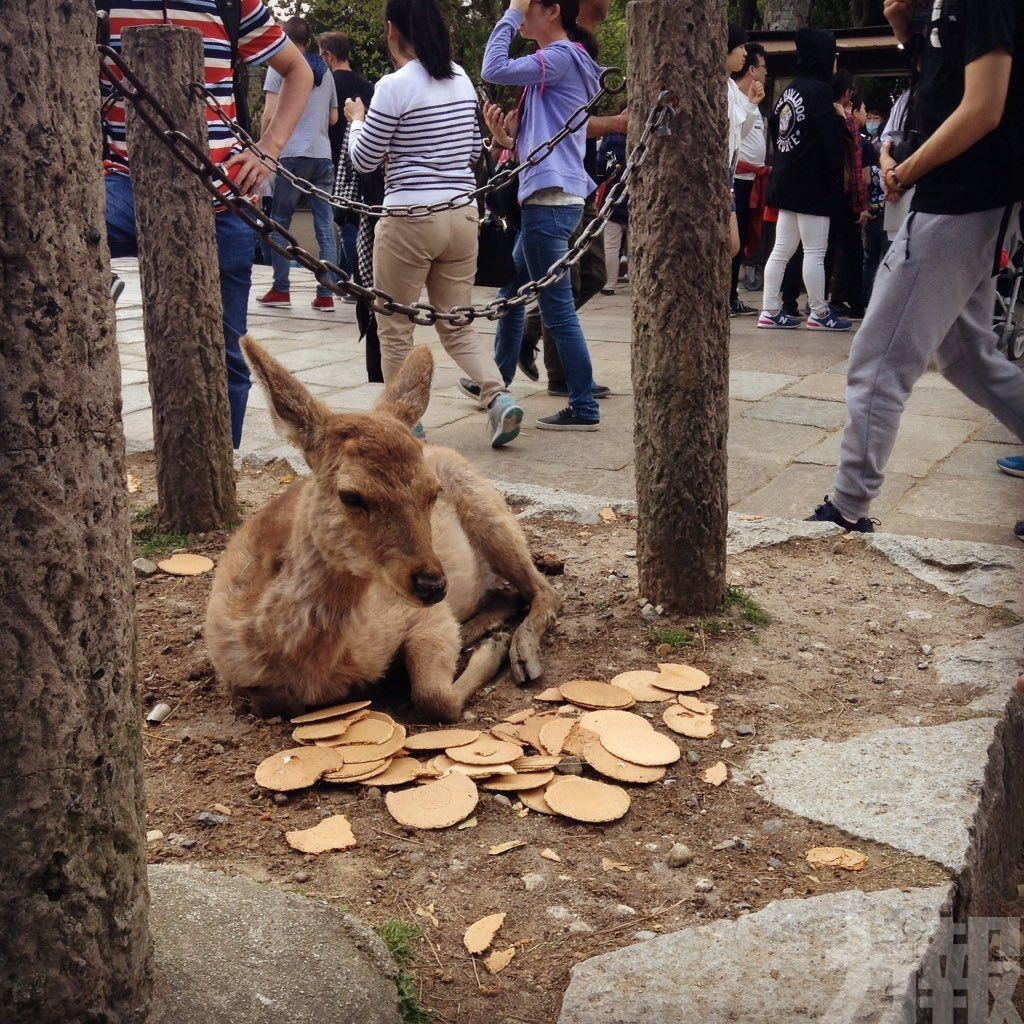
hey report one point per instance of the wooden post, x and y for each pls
(74, 942)
(680, 272)
(181, 306)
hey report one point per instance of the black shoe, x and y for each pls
(566, 419)
(791, 309)
(116, 287)
(740, 308)
(561, 391)
(841, 309)
(828, 513)
(1018, 530)
(469, 388)
(528, 361)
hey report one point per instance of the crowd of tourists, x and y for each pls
(889, 216)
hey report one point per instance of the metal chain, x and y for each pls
(328, 274)
(577, 120)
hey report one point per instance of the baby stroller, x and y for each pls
(1009, 319)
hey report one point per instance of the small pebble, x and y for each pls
(926, 650)
(501, 800)
(773, 825)
(679, 856)
(644, 936)
(280, 799)
(774, 862)
(727, 844)
(301, 876)
(580, 926)
(692, 757)
(651, 847)
(153, 835)
(727, 744)
(624, 910)
(158, 713)
(878, 678)
(922, 665)
(788, 891)
(629, 554)
(144, 568)
(745, 729)
(664, 650)
(208, 819)
(704, 885)
(533, 881)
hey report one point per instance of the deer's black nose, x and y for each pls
(429, 587)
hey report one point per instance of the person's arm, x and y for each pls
(986, 85)
(332, 117)
(500, 69)
(900, 14)
(600, 126)
(296, 85)
(269, 106)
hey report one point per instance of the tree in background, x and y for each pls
(789, 14)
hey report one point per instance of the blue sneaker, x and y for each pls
(1012, 464)
(503, 420)
(826, 512)
(777, 321)
(828, 321)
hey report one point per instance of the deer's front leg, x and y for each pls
(431, 653)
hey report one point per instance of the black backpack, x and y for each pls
(230, 12)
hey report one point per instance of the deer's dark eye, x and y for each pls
(352, 499)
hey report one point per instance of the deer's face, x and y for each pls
(374, 500)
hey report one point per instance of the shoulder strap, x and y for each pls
(230, 12)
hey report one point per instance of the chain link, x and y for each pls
(328, 274)
(577, 120)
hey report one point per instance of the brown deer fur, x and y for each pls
(318, 593)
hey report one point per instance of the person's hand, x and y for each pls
(894, 186)
(522, 6)
(863, 218)
(620, 122)
(247, 171)
(496, 120)
(756, 92)
(900, 14)
(354, 110)
(840, 110)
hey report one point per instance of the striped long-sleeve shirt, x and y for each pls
(428, 130)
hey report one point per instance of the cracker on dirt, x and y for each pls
(809, 672)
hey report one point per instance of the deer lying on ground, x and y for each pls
(382, 551)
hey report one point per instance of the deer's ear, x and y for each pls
(298, 416)
(408, 393)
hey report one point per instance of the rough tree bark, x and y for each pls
(680, 272)
(74, 943)
(182, 312)
(786, 14)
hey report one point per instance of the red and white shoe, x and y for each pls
(276, 298)
(324, 303)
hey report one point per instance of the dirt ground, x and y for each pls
(837, 626)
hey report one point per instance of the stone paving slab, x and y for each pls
(784, 426)
(842, 958)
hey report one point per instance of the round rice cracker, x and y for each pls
(684, 722)
(439, 804)
(682, 678)
(355, 753)
(357, 772)
(518, 782)
(296, 769)
(643, 686)
(337, 711)
(586, 800)
(375, 728)
(441, 764)
(613, 767)
(330, 729)
(535, 763)
(640, 746)
(589, 693)
(485, 750)
(186, 565)
(535, 800)
(441, 739)
(597, 721)
(695, 704)
(333, 833)
(554, 734)
(400, 771)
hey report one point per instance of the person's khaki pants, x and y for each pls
(440, 252)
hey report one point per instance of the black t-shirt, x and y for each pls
(868, 156)
(349, 86)
(989, 175)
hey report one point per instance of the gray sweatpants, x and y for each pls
(937, 302)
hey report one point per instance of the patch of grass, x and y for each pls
(401, 938)
(714, 627)
(752, 612)
(151, 541)
(142, 515)
(668, 635)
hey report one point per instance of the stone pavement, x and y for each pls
(787, 414)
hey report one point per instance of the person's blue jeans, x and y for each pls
(286, 196)
(348, 232)
(543, 240)
(236, 248)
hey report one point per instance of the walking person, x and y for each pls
(307, 155)
(876, 245)
(750, 165)
(935, 291)
(259, 41)
(423, 121)
(558, 78)
(806, 185)
(611, 159)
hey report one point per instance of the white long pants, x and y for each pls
(791, 230)
(612, 248)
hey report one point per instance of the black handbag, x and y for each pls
(495, 266)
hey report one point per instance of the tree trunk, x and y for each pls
(749, 14)
(74, 942)
(182, 312)
(680, 265)
(786, 15)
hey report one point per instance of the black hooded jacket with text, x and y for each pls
(807, 168)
